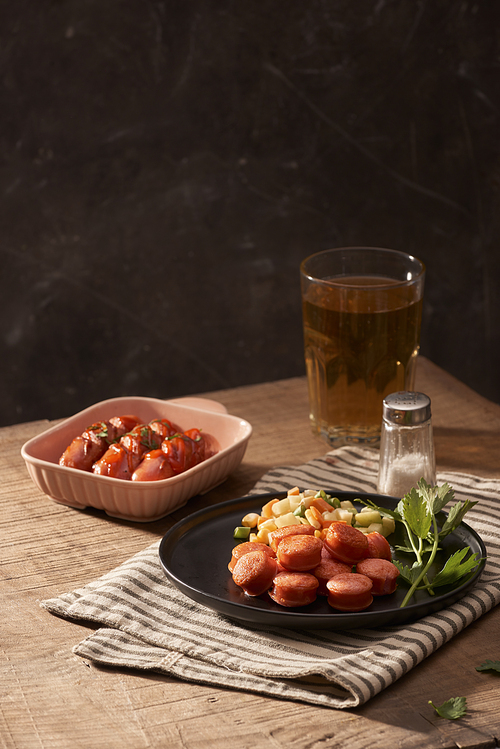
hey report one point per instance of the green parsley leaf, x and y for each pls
(419, 512)
(427, 492)
(416, 513)
(455, 517)
(426, 547)
(489, 666)
(410, 574)
(455, 568)
(452, 709)
(406, 549)
(437, 496)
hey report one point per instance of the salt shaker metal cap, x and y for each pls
(407, 408)
(406, 443)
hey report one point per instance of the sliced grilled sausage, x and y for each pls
(299, 553)
(254, 572)
(349, 592)
(326, 570)
(289, 530)
(382, 573)
(294, 589)
(345, 543)
(378, 546)
(245, 548)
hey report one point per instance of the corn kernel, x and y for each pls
(268, 524)
(312, 520)
(263, 536)
(250, 520)
(316, 514)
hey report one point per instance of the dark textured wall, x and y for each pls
(165, 166)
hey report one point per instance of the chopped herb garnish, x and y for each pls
(100, 428)
(452, 709)
(489, 666)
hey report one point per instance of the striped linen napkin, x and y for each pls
(146, 623)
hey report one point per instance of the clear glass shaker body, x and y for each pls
(406, 444)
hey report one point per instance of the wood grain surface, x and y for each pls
(50, 698)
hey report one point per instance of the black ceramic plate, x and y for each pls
(195, 553)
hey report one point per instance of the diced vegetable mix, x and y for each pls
(311, 507)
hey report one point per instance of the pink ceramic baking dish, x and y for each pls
(141, 501)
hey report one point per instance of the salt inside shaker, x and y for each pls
(406, 444)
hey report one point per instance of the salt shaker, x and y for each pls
(406, 444)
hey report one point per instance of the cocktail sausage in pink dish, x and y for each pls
(121, 459)
(125, 448)
(206, 444)
(116, 462)
(154, 466)
(91, 445)
(164, 427)
(183, 452)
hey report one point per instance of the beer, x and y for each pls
(361, 337)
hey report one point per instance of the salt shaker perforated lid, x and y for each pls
(406, 443)
(407, 408)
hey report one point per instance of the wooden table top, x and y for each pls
(52, 698)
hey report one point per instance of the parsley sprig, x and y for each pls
(418, 512)
(489, 665)
(452, 709)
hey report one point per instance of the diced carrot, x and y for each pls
(327, 523)
(316, 514)
(321, 505)
(267, 509)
